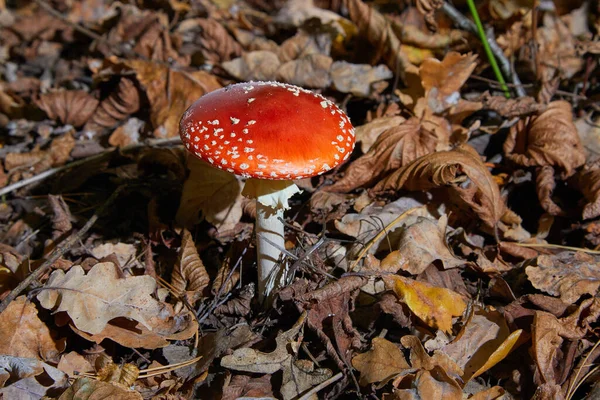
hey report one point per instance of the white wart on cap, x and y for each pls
(268, 130)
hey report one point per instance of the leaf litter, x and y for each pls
(453, 256)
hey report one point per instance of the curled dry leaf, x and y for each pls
(446, 168)
(427, 8)
(244, 386)
(73, 107)
(433, 305)
(94, 299)
(419, 245)
(214, 192)
(442, 80)
(568, 275)
(545, 184)
(24, 334)
(549, 138)
(375, 27)
(121, 103)
(394, 148)
(215, 42)
(189, 273)
(588, 181)
(170, 92)
(383, 361)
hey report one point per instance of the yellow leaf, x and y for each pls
(435, 306)
(501, 352)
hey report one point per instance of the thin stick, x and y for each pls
(328, 382)
(59, 251)
(558, 246)
(48, 8)
(53, 171)
(466, 24)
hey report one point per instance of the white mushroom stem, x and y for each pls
(271, 201)
(269, 242)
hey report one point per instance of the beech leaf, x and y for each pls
(447, 168)
(189, 274)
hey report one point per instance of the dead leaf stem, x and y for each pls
(60, 250)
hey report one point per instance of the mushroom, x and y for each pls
(270, 133)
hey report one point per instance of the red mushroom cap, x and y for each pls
(267, 130)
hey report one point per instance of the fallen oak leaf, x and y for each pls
(94, 299)
(433, 305)
(449, 168)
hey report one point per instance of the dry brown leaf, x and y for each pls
(94, 299)
(434, 306)
(588, 181)
(216, 44)
(214, 192)
(189, 274)
(446, 168)
(420, 244)
(260, 65)
(368, 133)
(170, 92)
(383, 361)
(549, 138)
(545, 184)
(311, 71)
(512, 108)
(29, 379)
(394, 148)
(298, 375)
(483, 342)
(73, 107)
(428, 8)
(135, 335)
(244, 386)
(121, 103)
(568, 275)
(127, 134)
(74, 364)
(303, 44)
(442, 80)
(361, 80)
(24, 334)
(374, 27)
(94, 389)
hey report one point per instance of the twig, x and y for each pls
(59, 251)
(328, 382)
(464, 23)
(48, 8)
(54, 171)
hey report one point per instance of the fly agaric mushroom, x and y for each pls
(270, 133)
